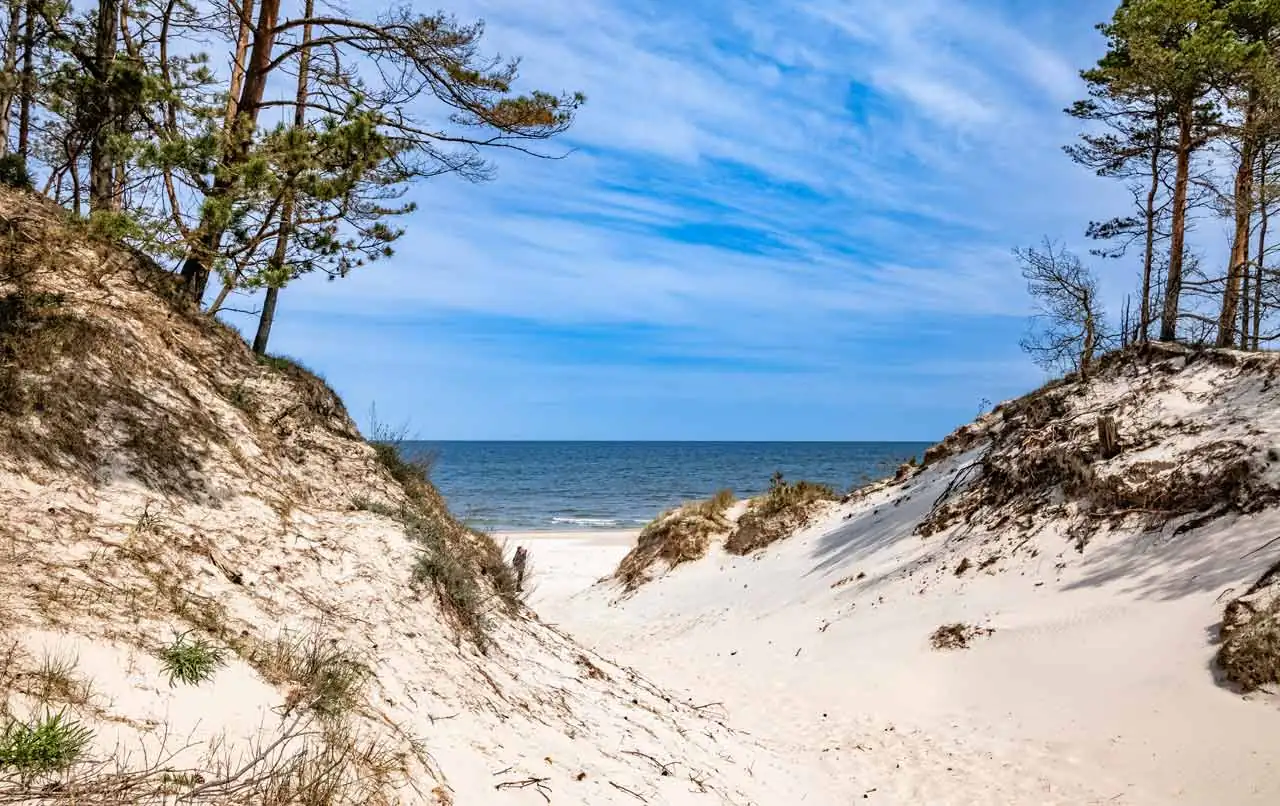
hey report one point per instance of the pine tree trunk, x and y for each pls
(195, 269)
(1149, 253)
(1246, 300)
(1244, 218)
(28, 90)
(1178, 238)
(265, 320)
(237, 67)
(278, 270)
(75, 185)
(1090, 340)
(102, 175)
(9, 69)
(1262, 249)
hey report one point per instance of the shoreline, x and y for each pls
(567, 562)
(565, 534)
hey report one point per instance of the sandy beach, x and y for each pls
(564, 563)
(1089, 675)
(1092, 688)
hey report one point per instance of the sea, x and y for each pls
(560, 486)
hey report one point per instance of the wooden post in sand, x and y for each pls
(519, 563)
(1108, 437)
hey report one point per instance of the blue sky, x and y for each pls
(779, 221)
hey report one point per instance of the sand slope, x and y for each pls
(1096, 685)
(155, 480)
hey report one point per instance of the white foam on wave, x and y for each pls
(587, 521)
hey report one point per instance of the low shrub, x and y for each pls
(14, 173)
(1250, 650)
(677, 536)
(786, 507)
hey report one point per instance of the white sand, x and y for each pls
(1096, 686)
(784, 678)
(566, 562)
(276, 528)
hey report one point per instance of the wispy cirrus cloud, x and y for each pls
(824, 192)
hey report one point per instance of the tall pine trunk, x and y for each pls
(1244, 218)
(278, 272)
(237, 66)
(1090, 341)
(201, 254)
(1178, 237)
(1149, 253)
(1259, 271)
(1246, 301)
(9, 69)
(28, 88)
(102, 175)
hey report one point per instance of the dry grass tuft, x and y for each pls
(57, 679)
(957, 636)
(787, 506)
(1250, 651)
(677, 536)
(466, 567)
(322, 677)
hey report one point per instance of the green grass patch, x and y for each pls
(191, 661)
(47, 745)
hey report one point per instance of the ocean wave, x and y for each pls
(598, 522)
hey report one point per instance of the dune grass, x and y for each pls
(678, 536)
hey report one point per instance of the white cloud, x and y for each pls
(869, 162)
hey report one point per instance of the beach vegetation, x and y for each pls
(322, 676)
(957, 636)
(57, 679)
(191, 661)
(42, 745)
(1249, 654)
(680, 535)
(786, 507)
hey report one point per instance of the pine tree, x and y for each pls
(276, 270)
(1179, 50)
(9, 68)
(426, 57)
(1252, 94)
(1134, 147)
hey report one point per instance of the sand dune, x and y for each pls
(1096, 683)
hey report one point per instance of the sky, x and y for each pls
(771, 221)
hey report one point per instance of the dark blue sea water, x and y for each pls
(605, 485)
